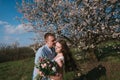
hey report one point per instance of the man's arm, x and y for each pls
(38, 55)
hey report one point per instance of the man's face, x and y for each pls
(50, 41)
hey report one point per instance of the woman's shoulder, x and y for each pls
(59, 57)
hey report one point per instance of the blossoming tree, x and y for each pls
(84, 23)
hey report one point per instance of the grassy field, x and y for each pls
(107, 68)
(17, 70)
(22, 70)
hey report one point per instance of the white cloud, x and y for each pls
(19, 29)
(15, 33)
(25, 28)
(3, 23)
(9, 29)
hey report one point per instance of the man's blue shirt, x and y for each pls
(44, 51)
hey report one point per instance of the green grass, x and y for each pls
(22, 70)
(69, 76)
(17, 70)
(112, 58)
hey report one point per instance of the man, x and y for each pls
(46, 50)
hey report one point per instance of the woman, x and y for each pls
(63, 58)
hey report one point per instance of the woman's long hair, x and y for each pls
(69, 62)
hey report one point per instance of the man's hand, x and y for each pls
(41, 74)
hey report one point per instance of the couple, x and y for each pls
(57, 51)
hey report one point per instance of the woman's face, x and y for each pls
(58, 47)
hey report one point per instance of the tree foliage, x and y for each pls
(84, 23)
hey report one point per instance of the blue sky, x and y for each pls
(11, 30)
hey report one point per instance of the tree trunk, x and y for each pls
(91, 55)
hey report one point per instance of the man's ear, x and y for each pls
(45, 40)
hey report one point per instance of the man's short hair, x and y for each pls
(48, 34)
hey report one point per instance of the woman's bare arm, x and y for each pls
(60, 63)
